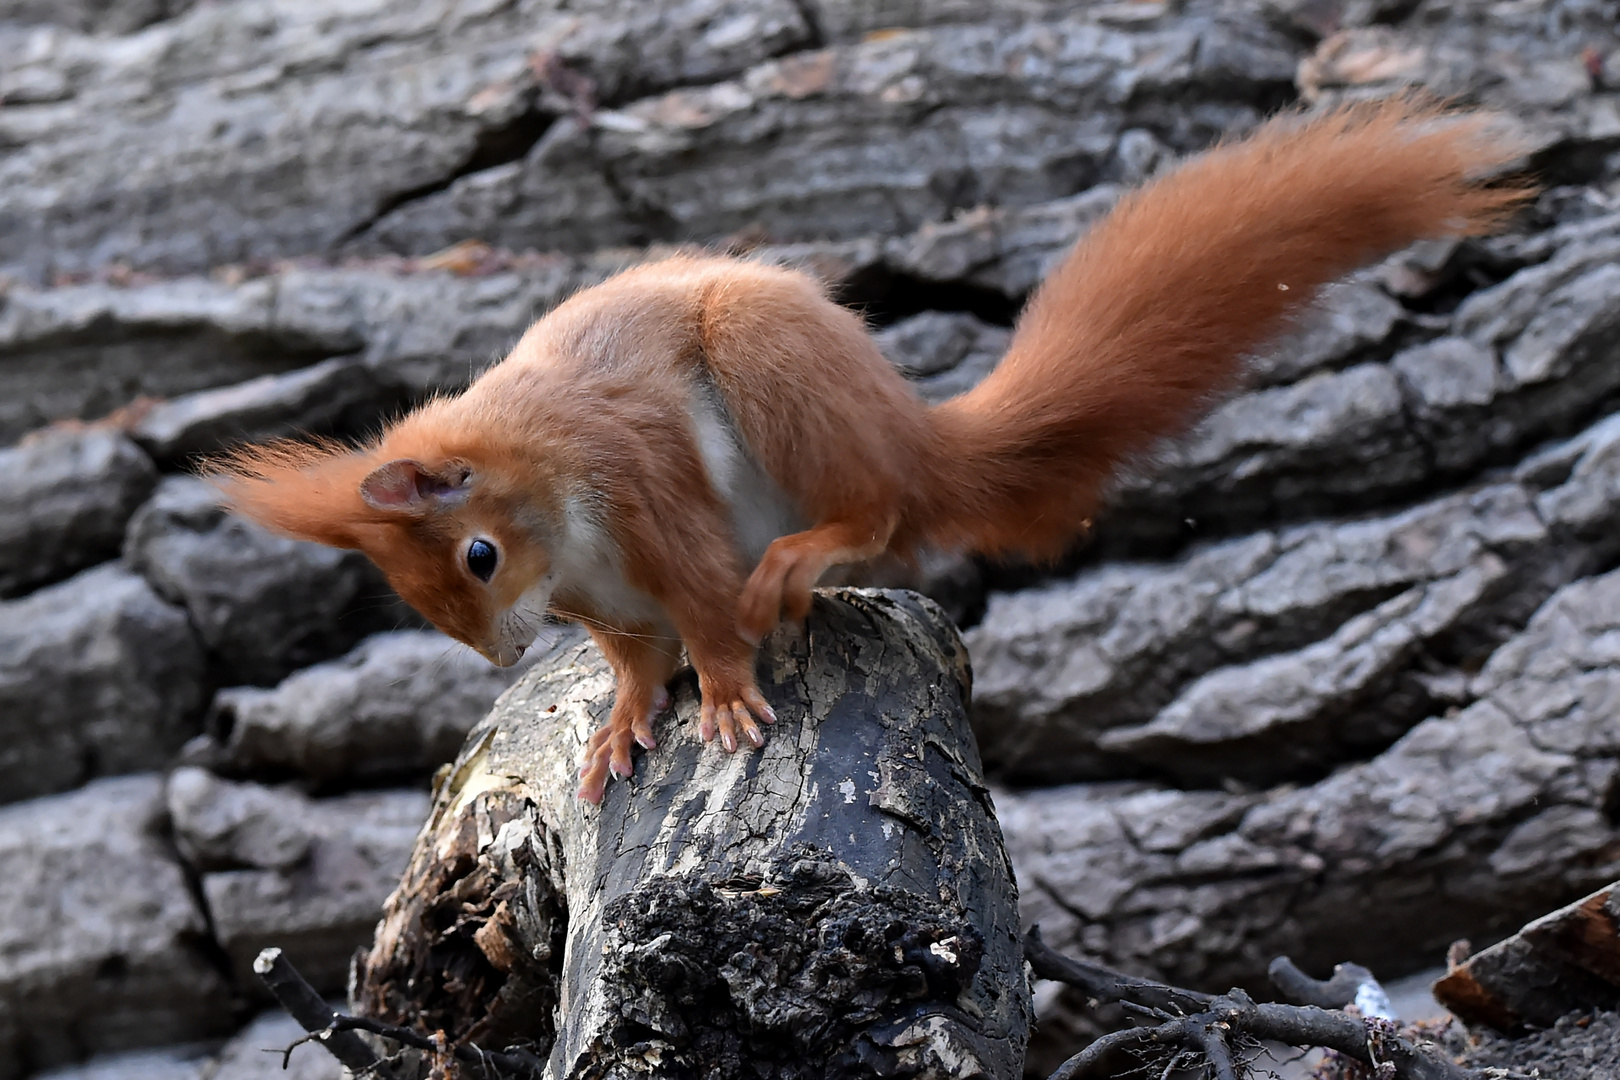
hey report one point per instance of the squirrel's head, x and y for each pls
(456, 539)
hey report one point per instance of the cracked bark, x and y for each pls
(839, 903)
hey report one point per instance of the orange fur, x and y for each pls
(1157, 307)
(647, 458)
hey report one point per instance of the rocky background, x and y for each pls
(1339, 677)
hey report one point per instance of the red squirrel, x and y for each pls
(673, 457)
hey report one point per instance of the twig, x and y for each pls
(1104, 985)
(336, 1031)
(1211, 1039)
(1351, 984)
(1099, 1051)
(508, 1063)
(313, 1014)
(1209, 1024)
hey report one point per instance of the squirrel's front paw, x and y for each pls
(778, 588)
(608, 750)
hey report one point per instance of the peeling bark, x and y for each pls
(837, 904)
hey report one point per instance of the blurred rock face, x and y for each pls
(1342, 651)
(264, 605)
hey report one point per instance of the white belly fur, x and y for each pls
(760, 510)
(589, 564)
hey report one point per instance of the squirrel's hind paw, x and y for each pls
(742, 710)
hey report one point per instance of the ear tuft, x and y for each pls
(307, 490)
(404, 486)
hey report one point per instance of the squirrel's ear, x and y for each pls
(411, 488)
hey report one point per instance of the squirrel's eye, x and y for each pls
(481, 559)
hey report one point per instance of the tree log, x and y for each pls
(837, 904)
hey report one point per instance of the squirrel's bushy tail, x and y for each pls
(1158, 306)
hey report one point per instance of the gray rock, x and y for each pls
(1058, 666)
(1518, 61)
(1351, 321)
(165, 1063)
(1585, 503)
(97, 675)
(264, 605)
(337, 396)
(1595, 223)
(308, 876)
(98, 16)
(1295, 714)
(1334, 440)
(434, 330)
(82, 350)
(99, 933)
(199, 122)
(1284, 628)
(1564, 360)
(934, 342)
(944, 354)
(220, 825)
(1005, 249)
(254, 1053)
(1471, 823)
(400, 704)
(851, 20)
(64, 500)
(628, 49)
(1319, 18)
(1497, 315)
(85, 350)
(1539, 363)
(878, 136)
(1451, 385)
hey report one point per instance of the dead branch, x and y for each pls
(311, 1011)
(838, 903)
(336, 1031)
(1176, 1021)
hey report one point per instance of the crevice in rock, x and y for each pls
(1610, 806)
(657, 225)
(1470, 267)
(812, 22)
(885, 296)
(1578, 161)
(206, 944)
(494, 146)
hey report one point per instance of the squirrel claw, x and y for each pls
(737, 715)
(607, 754)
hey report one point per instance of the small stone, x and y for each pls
(64, 498)
(336, 396)
(219, 825)
(99, 931)
(331, 864)
(398, 705)
(97, 675)
(263, 604)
